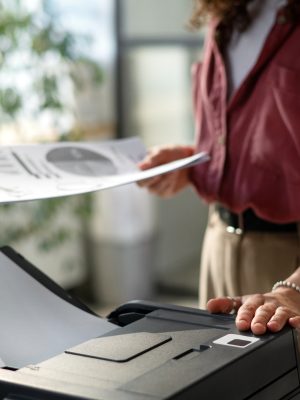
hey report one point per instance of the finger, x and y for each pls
(262, 317)
(146, 164)
(149, 182)
(178, 181)
(150, 161)
(163, 187)
(171, 185)
(220, 305)
(166, 186)
(281, 317)
(156, 157)
(161, 155)
(295, 322)
(247, 312)
(157, 183)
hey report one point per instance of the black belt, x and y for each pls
(248, 221)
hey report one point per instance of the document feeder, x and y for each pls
(164, 351)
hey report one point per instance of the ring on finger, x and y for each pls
(234, 303)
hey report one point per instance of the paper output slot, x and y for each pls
(189, 353)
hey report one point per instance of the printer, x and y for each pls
(160, 351)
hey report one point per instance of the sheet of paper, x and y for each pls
(30, 172)
(36, 324)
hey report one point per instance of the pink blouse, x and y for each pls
(254, 139)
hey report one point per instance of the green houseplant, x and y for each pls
(38, 61)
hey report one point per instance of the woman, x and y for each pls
(246, 98)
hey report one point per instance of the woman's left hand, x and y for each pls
(261, 312)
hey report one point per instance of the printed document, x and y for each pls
(37, 324)
(40, 171)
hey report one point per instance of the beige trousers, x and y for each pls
(234, 264)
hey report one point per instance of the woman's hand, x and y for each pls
(261, 312)
(166, 185)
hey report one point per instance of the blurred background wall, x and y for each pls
(108, 69)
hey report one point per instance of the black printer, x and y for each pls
(164, 351)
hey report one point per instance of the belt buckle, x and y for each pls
(232, 229)
(240, 229)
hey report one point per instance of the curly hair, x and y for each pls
(232, 13)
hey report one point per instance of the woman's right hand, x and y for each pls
(169, 184)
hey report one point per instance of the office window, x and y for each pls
(156, 52)
(42, 44)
